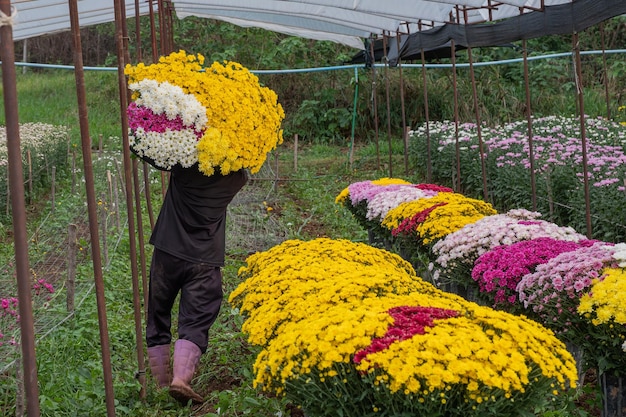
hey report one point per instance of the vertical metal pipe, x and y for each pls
(145, 168)
(92, 208)
(356, 98)
(155, 57)
(481, 146)
(429, 164)
(18, 207)
(153, 37)
(123, 92)
(375, 104)
(146, 184)
(404, 131)
(165, 26)
(142, 252)
(529, 119)
(456, 119)
(605, 73)
(138, 210)
(162, 33)
(388, 105)
(170, 26)
(583, 132)
(138, 53)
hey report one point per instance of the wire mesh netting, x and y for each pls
(250, 229)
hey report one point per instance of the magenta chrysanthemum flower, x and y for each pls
(456, 253)
(408, 322)
(553, 291)
(498, 271)
(409, 225)
(143, 117)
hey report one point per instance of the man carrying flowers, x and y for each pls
(207, 127)
(189, 246)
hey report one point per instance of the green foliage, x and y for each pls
(319, 121)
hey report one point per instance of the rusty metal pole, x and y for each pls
(18, 207)
(162, 32)
(605, 73)
(481, 146)
(142, 252)
(578, 74)
(145, 167)
(135, 173)
(155, 57)
(139, 54)
(375, 104)
(405, 138)
(456, 118)
(123, 92)
(429, 163)
(153, 37)
(146, 182)
(169, 25)
(92, 209)
(529, 119)
(388, 105)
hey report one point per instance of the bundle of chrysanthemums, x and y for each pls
(219, 117)
(346, 329)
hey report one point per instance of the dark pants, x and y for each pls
(200, 287)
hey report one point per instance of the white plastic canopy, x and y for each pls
(32, 18)
(343, 21)
(348, 21)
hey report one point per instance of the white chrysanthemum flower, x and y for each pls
(620, 254)
(171, 100)
(166, 149)
(383, 202)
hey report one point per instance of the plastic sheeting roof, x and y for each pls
(554, 20)
(342, 21)
(33, 18)
(348, 21)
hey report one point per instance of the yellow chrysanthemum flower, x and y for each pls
(312, 306)
(605, 299)
(245, 116)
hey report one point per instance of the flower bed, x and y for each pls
(499, 271)
(47, 146)
(557, 151)
(347, 329)
(521, 264)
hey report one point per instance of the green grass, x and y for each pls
(49, 96)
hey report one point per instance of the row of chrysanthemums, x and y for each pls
(348, 329)
(44, 148)
(557, 155)
(513, 261)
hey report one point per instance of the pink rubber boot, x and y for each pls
(159, 359)
(186, 357)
